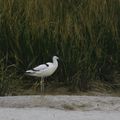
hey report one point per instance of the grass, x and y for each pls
(84, 34)
(7, 78)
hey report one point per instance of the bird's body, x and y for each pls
(44, 70)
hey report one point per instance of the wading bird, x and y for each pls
(44, 70)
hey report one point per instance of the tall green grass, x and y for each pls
(7, 77)
(85, 34)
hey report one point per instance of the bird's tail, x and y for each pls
(30, 72)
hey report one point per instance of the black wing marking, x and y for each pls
(47, 64)
(35, 69)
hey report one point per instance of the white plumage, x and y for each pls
(44, 70)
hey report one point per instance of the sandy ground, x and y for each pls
(59, 108)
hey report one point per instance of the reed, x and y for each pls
(7, 78)
(85, 34)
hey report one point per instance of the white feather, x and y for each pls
(40, 67)
(44, 70)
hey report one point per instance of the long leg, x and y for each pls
(42, 84)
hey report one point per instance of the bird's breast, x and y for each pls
(50, 71)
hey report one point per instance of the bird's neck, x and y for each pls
(55, 62)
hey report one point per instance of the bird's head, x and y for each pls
(55, 57)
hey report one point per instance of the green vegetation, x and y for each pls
(85, 34)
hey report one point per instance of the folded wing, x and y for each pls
(40, 67)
